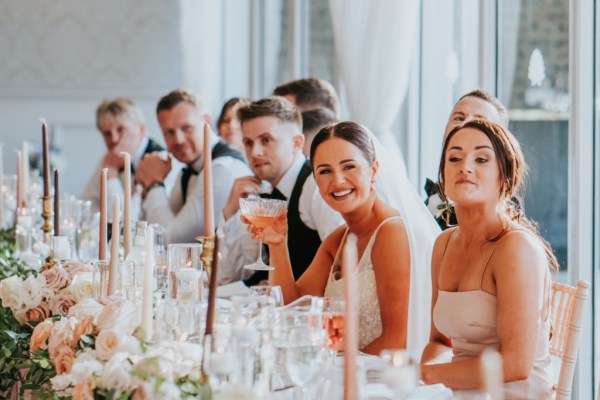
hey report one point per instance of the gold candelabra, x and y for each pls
(208, 249)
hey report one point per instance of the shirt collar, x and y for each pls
(135, 158)
(288, 180)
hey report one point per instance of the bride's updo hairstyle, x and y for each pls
(513, 174)
(349, 131)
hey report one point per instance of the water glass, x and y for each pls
(333, 322)
(100, 272)
(184, 270)
(179, 320)
(132, 280)
(305, 355)
(400, 373)
(273, 292)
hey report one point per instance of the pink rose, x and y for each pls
(74, 267)
(83, 390)
(56, 278)
(39, 313)
(40, 335)
(63, 359)
(62, 302)
(61, 335)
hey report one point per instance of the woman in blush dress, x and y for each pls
(491, 273)
(392, 273)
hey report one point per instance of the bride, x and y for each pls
(394, 239)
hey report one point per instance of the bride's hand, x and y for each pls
(274, 234)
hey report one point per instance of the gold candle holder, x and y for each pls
(208, 249)
(47, 214)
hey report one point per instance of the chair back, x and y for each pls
(568, 311)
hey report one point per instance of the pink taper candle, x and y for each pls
(147, 288)
(209, 218)
(349, 264)
(19, 183)
(102, 237)
(127, 204)
(113, 268)
(46, 159)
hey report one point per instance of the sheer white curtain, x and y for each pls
(374, 47)
(201, 49)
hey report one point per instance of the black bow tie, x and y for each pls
(275, 195)
(185, 179)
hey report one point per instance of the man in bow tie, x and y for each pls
(183, 121)
(123, 129)
(273, 140)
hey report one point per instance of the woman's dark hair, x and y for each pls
(349, 131)
(229, 104)
(513, 174)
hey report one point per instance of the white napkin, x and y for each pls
(233, 289)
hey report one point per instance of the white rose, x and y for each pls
(82, 286)
(235, 392)
(86, 308)
(42, 249)
(130, 345)
(108, 343)
(62, 385)
(84, 368)
(33, 290)
(117, 374)
(123, 316)
(9, 292)
(168, 390)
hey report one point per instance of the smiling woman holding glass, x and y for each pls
(346, 166)
(491, 273)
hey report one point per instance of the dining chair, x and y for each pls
(567, 314)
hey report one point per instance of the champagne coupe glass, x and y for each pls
(261, 213)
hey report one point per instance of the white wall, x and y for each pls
(59, 59)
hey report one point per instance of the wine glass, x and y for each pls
(261, 213)
(305, 355)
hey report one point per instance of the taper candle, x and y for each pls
(56, 204)
(113, 268)
(46, 158)
(212, 288)
(102, 236)
(25, 174)
(19, 174)
(127, 205)
(349, 264)
(209, 216)
(147, 290)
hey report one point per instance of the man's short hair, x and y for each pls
(178, 96)
(311, 93)
(119, 106)
(493, 100)
(314, 120)
(272, 106)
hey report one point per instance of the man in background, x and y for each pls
(309, 94)
(312, 122)
(123, 129)
(272, 137)
(183, 121)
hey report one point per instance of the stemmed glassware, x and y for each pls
(333, 323)
(261, 213)
(305, 355)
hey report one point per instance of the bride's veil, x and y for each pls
(395, 189)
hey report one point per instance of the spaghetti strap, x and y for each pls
(448, 241)
(337, 254)
(492, 253)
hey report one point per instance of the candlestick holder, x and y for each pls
(208, 249)
(47, 214)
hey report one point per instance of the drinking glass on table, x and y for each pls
(185, 271)
(305, 356)
(273, 292)
(261, 213)
(333, 323)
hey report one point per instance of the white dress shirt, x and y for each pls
(185, 221)
(238, 248)
(115, 185)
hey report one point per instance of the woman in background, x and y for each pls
(491, 273)
(228, 124)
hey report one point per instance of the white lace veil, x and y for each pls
(395, 189)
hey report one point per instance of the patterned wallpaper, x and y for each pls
(73, 48)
